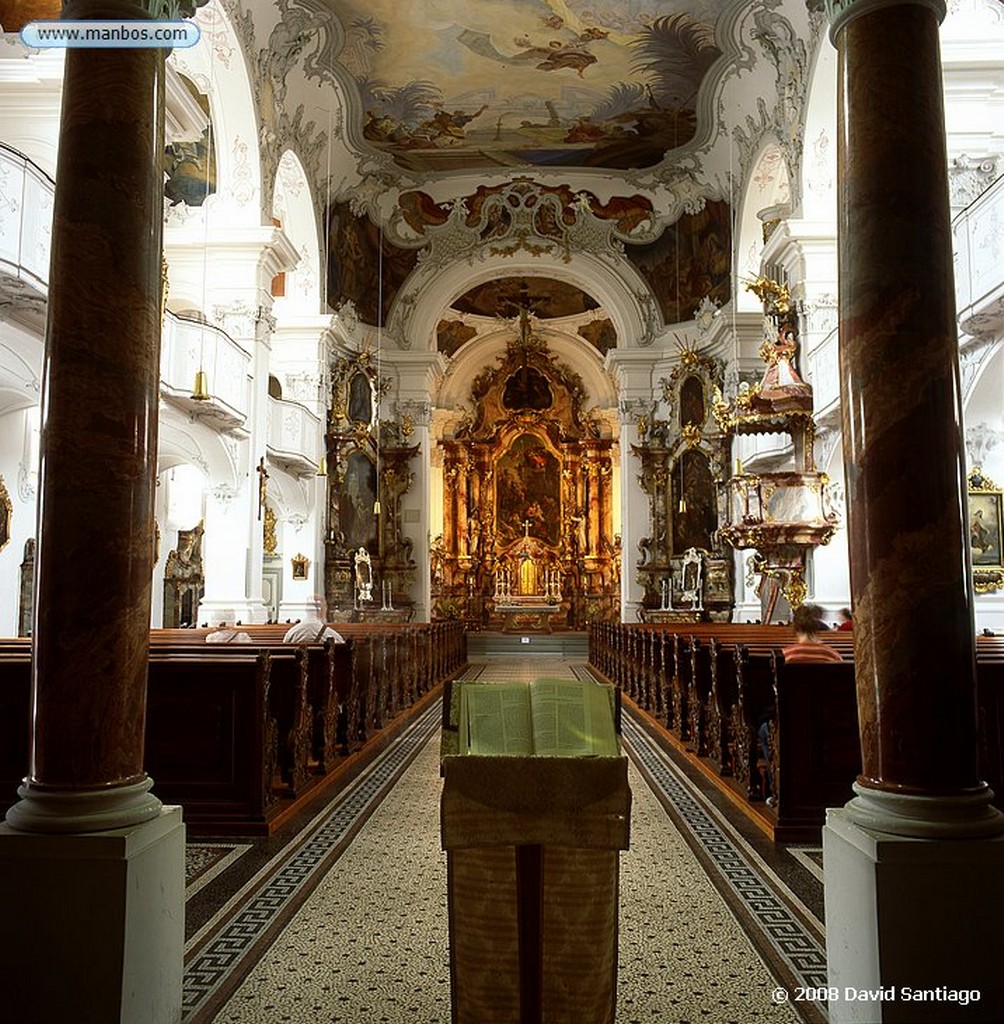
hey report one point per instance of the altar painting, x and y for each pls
(696, 518)
(528, 492)
(358, 494)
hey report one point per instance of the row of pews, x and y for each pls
(711, 685)
(241, 734)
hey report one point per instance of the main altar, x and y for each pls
(527, 542)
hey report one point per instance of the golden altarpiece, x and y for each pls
(685, 568)
(527, 541)
(368, 570)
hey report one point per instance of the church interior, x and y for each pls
(397, 317)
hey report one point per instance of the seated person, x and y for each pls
(808, 622)
(312, 629)
(223, 635)
(846, 619)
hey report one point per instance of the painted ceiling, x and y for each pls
(455, 85)
(15, 14)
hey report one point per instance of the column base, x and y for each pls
(911, 926)
(960, 816)
(100, 921)
(64, 812)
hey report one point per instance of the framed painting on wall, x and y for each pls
(986, 532)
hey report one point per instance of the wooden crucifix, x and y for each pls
(262, 484)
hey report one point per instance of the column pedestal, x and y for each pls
(909, 922)
(99, 921)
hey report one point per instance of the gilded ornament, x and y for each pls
(6, 512)
(269, 541)
(775, 296)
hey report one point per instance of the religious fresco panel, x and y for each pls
(190, 166)
(688, 262)
(450, 85)
(357, 252)
(545, 297)
(451, 334)
(600, 333)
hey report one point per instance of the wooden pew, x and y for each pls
(15, 718)
(237, 733)
(727, 675)
(212, 744)
(815, 749)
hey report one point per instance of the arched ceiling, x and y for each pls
(484, 133)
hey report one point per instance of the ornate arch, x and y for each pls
(617, 286)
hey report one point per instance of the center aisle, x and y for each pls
(370, 944)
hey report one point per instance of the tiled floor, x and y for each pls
(343, 927)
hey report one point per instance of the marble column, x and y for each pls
(914, 863)
(98, 444)
(91, 864)
(902, 432)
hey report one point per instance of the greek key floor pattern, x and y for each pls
(254, 912)
(347, 923)
(770, 909)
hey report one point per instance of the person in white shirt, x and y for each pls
(313, 629)
(224, 635)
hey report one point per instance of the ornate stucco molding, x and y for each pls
(158, 10)
(981, 440)
(968, 178)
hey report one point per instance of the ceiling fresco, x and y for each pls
(15, 14)
(450, 85)
(689, 262)
(364, 267)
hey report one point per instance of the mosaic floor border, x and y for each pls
(206, 861)
(790, 939)
(229, 945)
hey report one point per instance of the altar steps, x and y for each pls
(508, 645)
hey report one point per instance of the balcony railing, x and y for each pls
(188, 346)
(979, 260)
(26, 194)
(294, 436)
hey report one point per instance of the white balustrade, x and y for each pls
(26, 194)
(188, 346)
(294, 432)
(978, 238)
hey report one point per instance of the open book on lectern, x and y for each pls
(548, 717)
